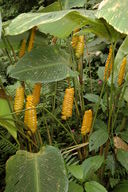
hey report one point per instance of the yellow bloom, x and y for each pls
(122, 71)
(87, 122)
(67, 103)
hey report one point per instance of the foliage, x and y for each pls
(98, 160)
(44, 169)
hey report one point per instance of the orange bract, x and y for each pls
(30, 118)
(36, 93)
(19, 100)
(67, 103)
(108, 65)
(87, 122)
(80, 46)
(122, 71)
(22, 49)
(31, 40)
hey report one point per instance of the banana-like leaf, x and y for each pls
(57, 23)
(6, 119)
(43, 64)
(36, 172)
(115, 13)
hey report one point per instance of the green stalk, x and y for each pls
(58, 121)
(97, 106)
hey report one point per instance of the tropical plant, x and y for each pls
(65, 46)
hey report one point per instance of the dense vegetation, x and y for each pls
(63, 96)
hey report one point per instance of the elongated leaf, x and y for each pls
(26, 21)
(115, 13)
(91, 165)
(6, 119)
(93, 186)
(122, 187)
(45, 64)
(36, 172)
(97, 139)
(122, 157)
(67, 20)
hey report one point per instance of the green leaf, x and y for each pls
(122, 187)
(25, 21)
(122, 51)
(100, 73)
(36, 172)
(122, 157)
(92, 97)
(126, 93)
(71, 4)
(124, 135)
(67, 20)
(8, 122)
(99, 124)
(74, 187)
(91, 165)
(42, 64)
(76, 171)
(97, 139)
(115, 13)
(0, 25)
(94, 186)
(52, 7)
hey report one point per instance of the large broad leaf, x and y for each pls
(67, 21)
(115, 13)
(122, 187)
(36, 172)
(6, 119)
(91, 165)
(93, 186)
(122, 157)
(42, 64)
(26, 21)
(97, 139)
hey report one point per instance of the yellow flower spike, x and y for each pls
(75, 39)
(80, 47)
(108, 65)
(30, 118)
(22, 49)
(19, 100)
(67, 103)
(122, 71)
(36, 93)
(74, 42)
(31, 40)
(87, 122)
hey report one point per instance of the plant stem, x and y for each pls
(97, 107)
(70, 134)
